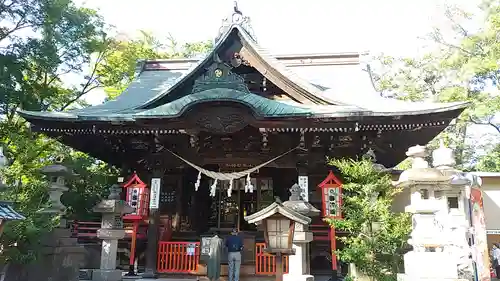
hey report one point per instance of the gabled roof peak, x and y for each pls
(235, 19)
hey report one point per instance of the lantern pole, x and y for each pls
(279, 266)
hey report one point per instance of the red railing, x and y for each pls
(178, 257)
(265, 264)
(85, 229)
(320, 232)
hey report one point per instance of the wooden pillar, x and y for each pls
(178, 202)
(279, 266)
(259, 194)
(240, 209)
(333, 247)
(153, 229)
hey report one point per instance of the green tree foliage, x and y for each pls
(52, 53)
(118, 68)
(464, 68)
(489, 162)
(42, 43)
(377, 235)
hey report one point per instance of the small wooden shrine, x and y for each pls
(229, 132)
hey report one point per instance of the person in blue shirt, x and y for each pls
(234, 245)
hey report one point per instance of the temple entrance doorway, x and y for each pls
(228, 210)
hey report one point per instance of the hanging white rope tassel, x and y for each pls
(197, 183)
(213, 188)
(248, 185)
(230, 189)
(227, 176)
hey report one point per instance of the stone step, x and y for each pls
(68, 241)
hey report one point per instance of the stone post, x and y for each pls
(57, 175)
(63, 256)
(112, 210)
(436, 233)
(298, 265)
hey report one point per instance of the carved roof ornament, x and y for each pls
(295, 191)
(296, 203)
(236, 18)
(114, 192)
(370, 155)
(219, 75)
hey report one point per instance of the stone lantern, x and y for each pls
(279, 224)
(57, 174)
(64, 255)
(112, 210)
(439, 224)
(3, 163)
(299, 263)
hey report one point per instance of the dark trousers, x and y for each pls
(497, 270)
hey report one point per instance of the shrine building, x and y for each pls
(224, 135)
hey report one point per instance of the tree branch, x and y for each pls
(488, 123)
(19, 25)
(92, 78)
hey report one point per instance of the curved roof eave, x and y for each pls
(389, 106)
(44, 115)
(311, 91)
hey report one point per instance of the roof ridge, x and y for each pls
(313, 93)
(200, 64)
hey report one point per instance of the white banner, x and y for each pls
(304, 185)
(154, 199)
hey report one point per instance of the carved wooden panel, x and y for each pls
(219, 119)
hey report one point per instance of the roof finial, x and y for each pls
(237, 18)
(236, 10)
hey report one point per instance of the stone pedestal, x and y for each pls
(63, 256)
(430, 265)
(110, 232)
(297, 264)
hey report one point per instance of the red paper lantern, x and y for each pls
(137, 196)
(331, 196)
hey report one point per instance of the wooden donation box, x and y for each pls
(248, 254)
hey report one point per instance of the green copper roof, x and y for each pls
(261, 106)
(147, 85)
(160, 93)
